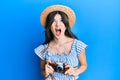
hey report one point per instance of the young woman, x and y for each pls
(62, 51)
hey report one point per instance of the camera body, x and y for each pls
(59, 67)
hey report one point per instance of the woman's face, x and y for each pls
(58, 27)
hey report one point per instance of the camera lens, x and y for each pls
(59, 69)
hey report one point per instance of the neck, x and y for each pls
(60, 41)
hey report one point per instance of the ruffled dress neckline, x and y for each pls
(64, 53)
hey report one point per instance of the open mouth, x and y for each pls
(58, 32)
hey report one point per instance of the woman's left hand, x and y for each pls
(70, 71)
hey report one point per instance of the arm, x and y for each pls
(83, 64)
(42, 66)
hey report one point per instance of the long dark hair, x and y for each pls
(49, 20)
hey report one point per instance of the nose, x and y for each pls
(57, 23)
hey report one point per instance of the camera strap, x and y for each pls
(45, 48)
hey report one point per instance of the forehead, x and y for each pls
(57, 16)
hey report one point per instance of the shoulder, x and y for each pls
(80, 45)
(40, 48)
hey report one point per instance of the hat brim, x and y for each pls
(70, 13)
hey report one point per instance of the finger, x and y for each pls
(71, 73)
(67, 71)
(49, 71)
(48, 61)
(49, 68)
(67, 66)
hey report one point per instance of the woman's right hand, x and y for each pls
(48, 69)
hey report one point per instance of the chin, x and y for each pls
(57, 37)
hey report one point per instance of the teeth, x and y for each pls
(58, 29)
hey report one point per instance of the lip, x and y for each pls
(58, 32)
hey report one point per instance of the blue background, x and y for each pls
(98, 25)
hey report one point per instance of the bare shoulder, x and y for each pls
(70, 40)
(50, 44)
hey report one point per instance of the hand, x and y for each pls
(48, 69)
(70, 71)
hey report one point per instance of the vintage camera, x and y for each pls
(59, 67)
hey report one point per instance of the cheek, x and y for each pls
(64, 28)
(52, 29)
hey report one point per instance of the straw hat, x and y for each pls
(70, 13)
